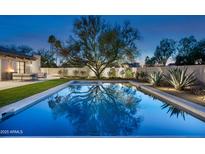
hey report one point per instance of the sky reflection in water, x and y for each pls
(104, 110)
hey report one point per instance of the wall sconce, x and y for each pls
(10, 70)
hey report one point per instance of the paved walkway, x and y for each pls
(11, 84)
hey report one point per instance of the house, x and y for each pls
(18, 66)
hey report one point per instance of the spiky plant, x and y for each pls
(155, 78)
(179, 78)
(142, 76)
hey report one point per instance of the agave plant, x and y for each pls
(174, 111)
(155, 78)
(179, 78)
(142, 76)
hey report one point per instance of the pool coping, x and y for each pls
(187, 106)
(20, 105)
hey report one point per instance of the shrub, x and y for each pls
(155, 78)
(75, 72)
(62, 73)
(112, 73)
(199, 90)
(122, 72)
(129, 73)
(142, 76)
(179, 78)
(83, 73)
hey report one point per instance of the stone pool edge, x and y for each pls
(187, 106)
(20, 105)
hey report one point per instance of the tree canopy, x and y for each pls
(164, 51)
(47, 58)
(199, 53)
(190, 51)
(150, 61)
(97, 44)
(23, 49)
(187, 51)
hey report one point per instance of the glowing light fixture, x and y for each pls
(10, 70)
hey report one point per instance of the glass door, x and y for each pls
(21, 67)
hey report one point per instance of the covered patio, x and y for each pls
(15, 66)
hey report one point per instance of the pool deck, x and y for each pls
(190, 107)
(11, 84)
(185, 105)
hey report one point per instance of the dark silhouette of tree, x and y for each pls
(150, 61)
(164, 51)
(47, 58)
(186, 48)
(54, 46)
(23, 49)
(99, 109)
(198, 53)
(97, 44)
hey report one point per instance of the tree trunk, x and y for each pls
(97, 71)
(98, 75)
(164, 63)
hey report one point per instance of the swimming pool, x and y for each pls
(105, 109)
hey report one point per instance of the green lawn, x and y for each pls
(12, 95)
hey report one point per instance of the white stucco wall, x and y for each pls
(7, 65)
(10, 64)
(198, 69)
(36, 65)
(70, 71)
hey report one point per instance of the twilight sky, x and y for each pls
(34, 30)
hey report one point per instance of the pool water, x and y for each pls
(102, 110)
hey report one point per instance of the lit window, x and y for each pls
(21, 67)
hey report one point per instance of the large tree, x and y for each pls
(164, 51)
(54, 46)
(186, 47)
(47, 58)
(97, 44)
(150, 61)
(198, 54)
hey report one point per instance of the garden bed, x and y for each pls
(184, 94)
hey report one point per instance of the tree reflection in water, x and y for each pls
(104, 110)
(174, 111)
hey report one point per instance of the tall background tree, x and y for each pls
(150, 61)
(164, 51)
(47, 58)
(22, 49)
(97, 44)
(54, 47)
(198, 53)
(190, 51)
